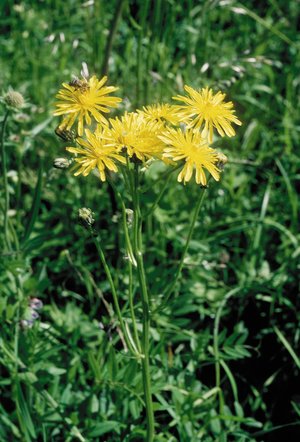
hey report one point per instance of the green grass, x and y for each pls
(225, 350)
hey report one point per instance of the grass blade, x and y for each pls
(35, 205)
(287, 346)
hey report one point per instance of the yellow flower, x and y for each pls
(81, 99)
(94, 152)
(137, 135)
(210, 109)
(162, 113)
(193, 148)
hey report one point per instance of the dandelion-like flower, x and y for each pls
(137, 135)
(96, 152)
(162, 113)
(194, 149)
(82, 99)
(204, 107)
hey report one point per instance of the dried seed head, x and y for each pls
(14, 99)
(61, 163)
(85, 216)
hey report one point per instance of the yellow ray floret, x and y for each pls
(191, 147)
(137, 135)
(206, 111)
(96, 152)
(162, 112)
(84, 100)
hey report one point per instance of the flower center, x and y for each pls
(85, 99)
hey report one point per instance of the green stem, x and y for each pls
(216, 347)
(146, 308)
(132, 261)
(111, 36)
(158, 198)
(164, 176)
(131, 306)
(171, 287)
(217, 359)
(13, 233)
(139, 80)
(5, 183)
(125, 227)
(18, 190)
(20, 296)
(114, 294)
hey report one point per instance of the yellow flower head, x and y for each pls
(94, 152)
(204, 106)
(137, 135)
(193, 148)
(81, 99)
(162, 113)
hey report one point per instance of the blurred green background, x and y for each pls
(65, 377)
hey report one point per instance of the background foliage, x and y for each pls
(235, 313)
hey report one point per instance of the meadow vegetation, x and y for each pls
(224, 349)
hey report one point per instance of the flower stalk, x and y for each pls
(171, 287)
(114, 294)
(145, 306)
(5, 182)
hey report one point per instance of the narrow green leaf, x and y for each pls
(35, 205)
(104, 427)
(40, 127)
(287, 346)
(24, 415)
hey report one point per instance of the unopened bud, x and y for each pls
(115, 218)
(26, 323)
(222, 160)
(34, 315)
(36, 304)
(61, 163)
(130, 214)
(14, 99)
(85, 216)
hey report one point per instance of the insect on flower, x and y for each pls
(83, 100)
(83, 84)
(65, 134)
(79, 85)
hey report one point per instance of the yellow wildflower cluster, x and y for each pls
(172, 133)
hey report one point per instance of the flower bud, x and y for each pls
(85, 216)
(26, 323)
(14, 99)
(61, 163)
(130, 216)
(36, 304)
(34, 315)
